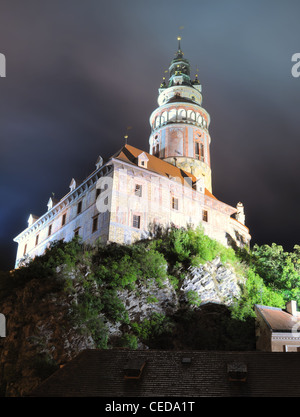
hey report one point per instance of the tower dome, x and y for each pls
(179, 126)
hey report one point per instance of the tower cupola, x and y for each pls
(179, 126)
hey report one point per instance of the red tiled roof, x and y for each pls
(278, 319)
(130, 154)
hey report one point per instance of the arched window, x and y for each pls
(172, 115)
(191, 115)
(182, 114)
(157, 122)
(200, 119)
(164, 117)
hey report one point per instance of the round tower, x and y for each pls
(179, 126)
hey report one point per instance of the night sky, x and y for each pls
(80, 72)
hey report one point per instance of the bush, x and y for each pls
(190, 247)
(152, 328)
(279, 269)
(193, 298)
(129, 341)
(255, 292)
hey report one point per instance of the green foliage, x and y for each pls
(113, 308)
(121, 266)
(152, 328)
(193, 298)
(278, 268)
(272, 278)
(115, 267)
(59, 254)
(151, 299)
(129, 341)
(255, 292)
(213, 328)
(190, 247)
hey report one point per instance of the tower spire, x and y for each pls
(179, 53)
(179, 126)
(179, 46)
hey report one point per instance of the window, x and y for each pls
(199, 151)
(25, 250)
(138, 190)
(37, 240)
(63, 220)
(205, 215)
(136, 221)
(49, 229)
(174, 203)
(79, 207)
(95, 224)
(155, 150)
(76, 231)
(98, 191)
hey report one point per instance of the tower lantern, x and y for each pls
(179, 126)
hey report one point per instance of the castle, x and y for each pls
(169, 185)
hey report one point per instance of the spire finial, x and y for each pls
(179, 39)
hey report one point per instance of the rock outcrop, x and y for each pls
(40, 336)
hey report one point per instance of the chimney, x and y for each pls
(291, 307)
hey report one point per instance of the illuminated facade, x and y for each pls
(170, 185)
(180, 124)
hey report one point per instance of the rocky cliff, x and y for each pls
(41, 336)
(51, 319)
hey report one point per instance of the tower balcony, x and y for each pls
(179, 113)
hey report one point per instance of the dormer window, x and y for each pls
(237, 371)
(143, 160)
(134, 368)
